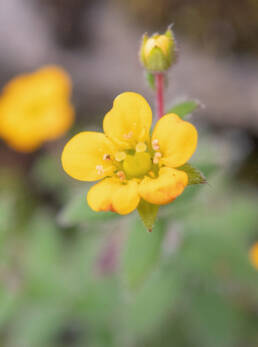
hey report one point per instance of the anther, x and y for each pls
(155, 145)
(157, 157)
(120, 156)
(141, 147)
(106, 157)
(128, 136)
(100, 169)
(121, 175)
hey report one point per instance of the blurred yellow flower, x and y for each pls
(130, 164)
(253, 255)
(35, 108)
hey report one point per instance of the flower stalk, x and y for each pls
(159, 86)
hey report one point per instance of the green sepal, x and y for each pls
(156, 60)
(141, 53)
(172, 52)
(184, 108)
(169, 33)
(148, 213)
(195, 176)
(150, 78)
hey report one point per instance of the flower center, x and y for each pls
(137, 165)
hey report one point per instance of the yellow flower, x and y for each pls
(130, 164)
(35, 108)
(253, 255)
(158, 52)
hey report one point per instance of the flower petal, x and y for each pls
(47, 83)
(22, 144)
(129, 121)
(176, 138)
(112, 195)
(165, 188)
(99, 196)
(83, 156)
(126, 198)
(55, 120)
(35, 107)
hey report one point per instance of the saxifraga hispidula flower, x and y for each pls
(35, 108)
(130, 163)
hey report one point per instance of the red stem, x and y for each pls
(159, 83)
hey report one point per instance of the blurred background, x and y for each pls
(70, 277)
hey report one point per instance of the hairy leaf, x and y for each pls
(182, 109)
(195, 176)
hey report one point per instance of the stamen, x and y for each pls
(121, 175)
(100, 169)
(157, 157)
(106, 157)
(120, 156)
(141, 147)
(128, 136)
(155, 145)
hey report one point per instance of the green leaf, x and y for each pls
(152, 303)
(194, 175)
(150, 79)
(77, 211)
(141, 252)
(148, 213)
(182, 109)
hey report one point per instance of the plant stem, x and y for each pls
(159, 84)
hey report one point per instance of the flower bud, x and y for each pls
(157, 52)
